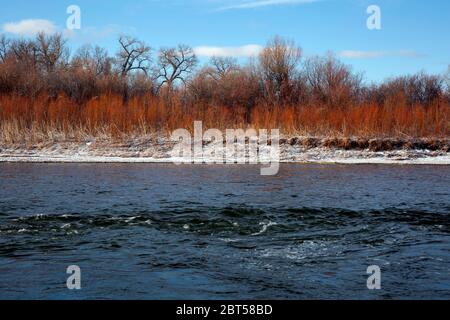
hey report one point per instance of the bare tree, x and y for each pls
(133, 55)
(417, 88)
(278, 62)
(221, 67)
(203, 85)
(24, 52)
(175, 64)
(4, 47)
(429, 88)
(93, 59)
(51, 51)
(332, 82)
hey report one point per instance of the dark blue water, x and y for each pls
(141, 231)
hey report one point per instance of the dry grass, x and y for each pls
(367, 121)
(31, 120)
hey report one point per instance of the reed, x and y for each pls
(26, 119)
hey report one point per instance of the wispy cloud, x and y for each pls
(250, 50)
(30, 27)
(263, 3)
(95, 34)
(354, 54)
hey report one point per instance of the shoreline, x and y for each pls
(302, 150)
(440, 161)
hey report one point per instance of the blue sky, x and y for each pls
(414, 34)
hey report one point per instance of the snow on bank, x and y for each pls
(161, 153)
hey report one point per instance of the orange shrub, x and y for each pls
(109, 113)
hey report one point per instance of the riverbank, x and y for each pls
(155, 149)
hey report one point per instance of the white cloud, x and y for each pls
(264, 3)
(30, 27)
(354, 54)
(250, 50)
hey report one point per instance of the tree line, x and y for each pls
(278, 76)
(45, 88)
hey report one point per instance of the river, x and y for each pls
(157, 231)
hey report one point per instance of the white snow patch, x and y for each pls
(160, 152)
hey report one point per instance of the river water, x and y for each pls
(155, 231)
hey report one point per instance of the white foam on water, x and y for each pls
(229, 240)
(304, 250)
(265, 226)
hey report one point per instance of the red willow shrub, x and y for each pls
(145, 114)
